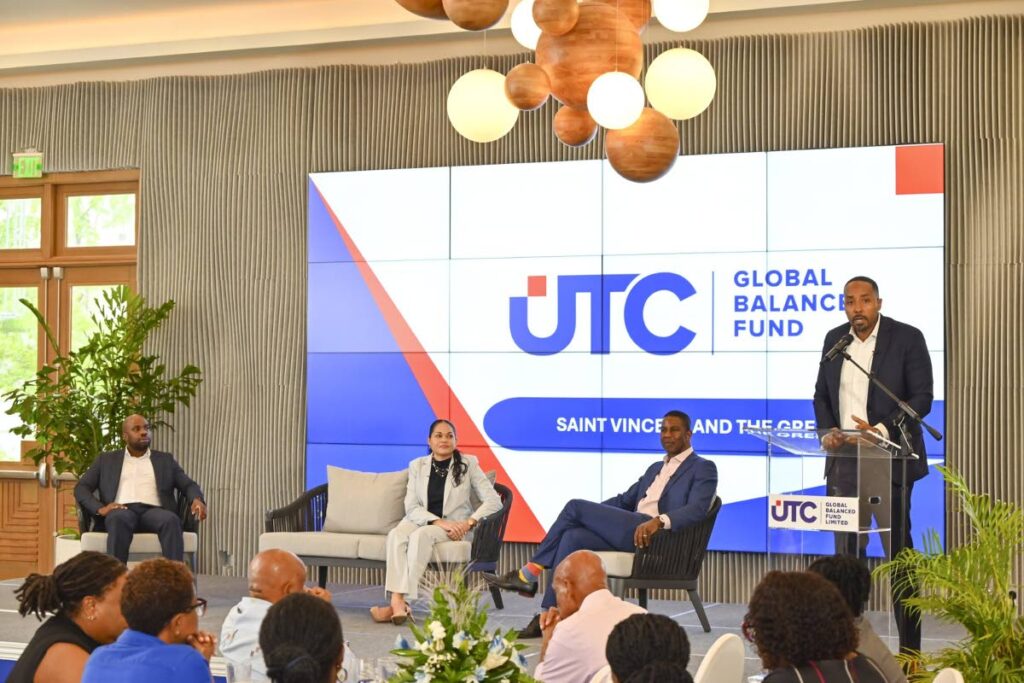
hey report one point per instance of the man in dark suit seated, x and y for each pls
(674, 493)
(136, 493)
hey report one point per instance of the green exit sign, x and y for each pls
(27, 165)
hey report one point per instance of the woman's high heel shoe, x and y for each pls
(398, 618)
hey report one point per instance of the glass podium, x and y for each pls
(831, 493)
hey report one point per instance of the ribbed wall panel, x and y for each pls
(224, 160)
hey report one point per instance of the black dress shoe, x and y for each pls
(510, 581)
(532, 629)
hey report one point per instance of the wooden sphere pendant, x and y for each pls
(431, 9)
(556, 17)
(527, 86)
(602, 40)
(637, 11)
(475, 15)
(574, 127)
(646, 150)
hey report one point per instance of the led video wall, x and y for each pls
(555, 311)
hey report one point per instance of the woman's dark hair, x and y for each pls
(648, 647)
(850, 575)
(798, 617)
(154, 593)
(459, 466)
(301, 639)
(85, 574)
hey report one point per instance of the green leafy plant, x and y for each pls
(970, 585)
(74, 406)
(455, 646)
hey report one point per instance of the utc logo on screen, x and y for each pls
(600, 288)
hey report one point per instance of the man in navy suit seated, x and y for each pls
(136, 493)
(674, 493)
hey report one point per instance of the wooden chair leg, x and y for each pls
(496, 596)
(698, 607)
(322, 576)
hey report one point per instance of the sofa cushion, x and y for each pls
(372, 547)
(364, 502)
(141, 543)
(316, 543)
(617, 563)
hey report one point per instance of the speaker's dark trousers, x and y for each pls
(122, 525)
(585, 525)
(888, 513)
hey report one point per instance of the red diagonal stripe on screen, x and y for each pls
(919, 169)
(522, 523)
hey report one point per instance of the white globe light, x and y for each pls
(478, 108)
(524, 28)
(680, 83)
(681, 15)
(615, 100)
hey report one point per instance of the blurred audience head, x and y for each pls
(576, 577)
(301, 640)
(86, 588)
(850, 575)
(648, 647)
(274, 574)
(798, 617)
(159, 599)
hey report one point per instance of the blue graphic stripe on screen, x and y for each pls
(630, 424)
(325, 244)
(350, 323)
(364, 398)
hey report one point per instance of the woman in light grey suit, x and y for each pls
(438, 508)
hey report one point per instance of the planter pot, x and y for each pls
(64, 548)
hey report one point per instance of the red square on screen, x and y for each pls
(919, 169)
(536, 285)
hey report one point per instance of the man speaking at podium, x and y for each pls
(844, 398)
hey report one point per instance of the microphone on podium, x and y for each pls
(838, 348)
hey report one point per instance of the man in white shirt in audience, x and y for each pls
(576, 631)
(273, 574)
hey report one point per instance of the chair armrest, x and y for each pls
(676, 554)
(188, 520)
(490, 532)
(86, 520)
(305, 513)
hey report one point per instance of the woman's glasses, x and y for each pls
(199, 607)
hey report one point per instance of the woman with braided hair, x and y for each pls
(648, 648)
(301, 640)
(84, 597)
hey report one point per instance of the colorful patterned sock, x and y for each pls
(530, 572)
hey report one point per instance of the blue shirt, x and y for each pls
(141, 658)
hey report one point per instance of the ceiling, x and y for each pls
(54, 34)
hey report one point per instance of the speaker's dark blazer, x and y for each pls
(902, 363)
(687, 496)
(104, 475)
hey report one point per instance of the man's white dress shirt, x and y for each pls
(138, 482)
(648, 505)
(576, 649)
(854, 384)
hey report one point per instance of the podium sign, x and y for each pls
(820, 513)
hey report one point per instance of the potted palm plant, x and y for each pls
(72, 409)
(972, 585)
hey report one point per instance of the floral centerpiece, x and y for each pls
(454, 645)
